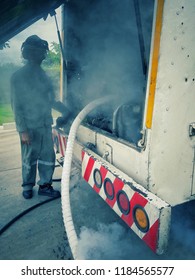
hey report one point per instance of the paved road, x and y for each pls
(40, 234)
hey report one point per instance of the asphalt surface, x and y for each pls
(40, 234)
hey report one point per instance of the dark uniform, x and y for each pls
(32, 98)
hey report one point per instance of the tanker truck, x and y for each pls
(137, 150)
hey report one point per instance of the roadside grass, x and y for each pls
(6, 114)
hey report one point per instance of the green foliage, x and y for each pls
(6, 114)
(52, 66)
(6, 71)
(53, 57)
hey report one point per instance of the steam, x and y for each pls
(108, 242)
(112, 242)
(104, 58)
(116, 241)
(105, 51)
(104, 44)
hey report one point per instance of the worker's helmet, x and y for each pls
(34, 46)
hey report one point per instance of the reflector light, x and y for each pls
(141, 218)
(97, 178)
(109, 189)
(146, 214)
(123, 202)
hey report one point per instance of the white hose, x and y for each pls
(66, 209)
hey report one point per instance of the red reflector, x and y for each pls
(123, 202)
(109, 188)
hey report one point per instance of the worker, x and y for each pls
(32, 99)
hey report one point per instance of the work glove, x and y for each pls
(61, 121)
(64, 120)
(66, 114)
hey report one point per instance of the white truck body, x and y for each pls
(158, 172)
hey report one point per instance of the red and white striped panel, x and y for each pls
(59, 141)
(151, 204)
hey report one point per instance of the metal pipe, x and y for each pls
(140, 36)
